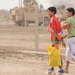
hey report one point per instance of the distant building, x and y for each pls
(67, 3)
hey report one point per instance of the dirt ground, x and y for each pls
(18, 55)
(22, 38)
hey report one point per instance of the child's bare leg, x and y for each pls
(67, 66)
(61, 71)
(68, 59)
(60, 67)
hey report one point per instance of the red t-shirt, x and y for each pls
(54, 24)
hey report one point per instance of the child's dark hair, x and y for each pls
(71, 10)
(53, 9)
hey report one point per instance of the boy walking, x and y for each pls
(54, 28)
(70, 24)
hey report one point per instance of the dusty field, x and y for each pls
(26, 64)
(22, 38)
(14, 60)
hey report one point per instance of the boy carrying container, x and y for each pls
(55, 30)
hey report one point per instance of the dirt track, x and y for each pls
(13, 41)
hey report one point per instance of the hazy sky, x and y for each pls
(7, 4)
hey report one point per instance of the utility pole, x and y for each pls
(25, 18)
(36, 26)
(19, 3)
(36, 29)
(43, 19)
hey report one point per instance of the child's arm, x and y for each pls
(65, 25)
(54, 36)
(63, 43)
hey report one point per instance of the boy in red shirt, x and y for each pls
(54, 28)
